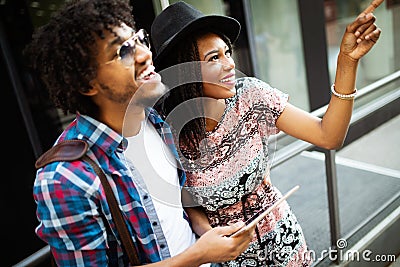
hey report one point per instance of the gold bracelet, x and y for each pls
(342, 96)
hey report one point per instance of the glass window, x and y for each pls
(40, 11)
(380, 61)
(276, 28)
(206, 6)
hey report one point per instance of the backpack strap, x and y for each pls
(67, 150)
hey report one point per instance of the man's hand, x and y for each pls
(217, 246)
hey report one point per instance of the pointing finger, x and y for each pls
(374, 4)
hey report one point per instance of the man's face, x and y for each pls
(125, 73)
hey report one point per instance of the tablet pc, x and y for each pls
(262, 213)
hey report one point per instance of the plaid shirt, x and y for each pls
(72, 206)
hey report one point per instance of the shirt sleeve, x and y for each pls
(266, 101)
(67, 209)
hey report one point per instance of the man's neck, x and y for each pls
(125, 123)
(133, 121)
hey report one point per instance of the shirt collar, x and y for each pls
(99, 134)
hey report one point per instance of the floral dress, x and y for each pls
(231, 179)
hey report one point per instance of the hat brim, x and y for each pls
(225, 25)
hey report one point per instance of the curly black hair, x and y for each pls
(191, 135)
(62, 52)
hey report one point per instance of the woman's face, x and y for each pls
(217, 67)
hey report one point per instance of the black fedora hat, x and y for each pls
(179, 19)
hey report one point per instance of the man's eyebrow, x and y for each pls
(115, 41)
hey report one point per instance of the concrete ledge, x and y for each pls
(379, 247)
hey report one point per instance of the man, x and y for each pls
(93, 62)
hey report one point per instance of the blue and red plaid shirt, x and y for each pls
(75, 219)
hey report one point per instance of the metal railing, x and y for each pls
(295, 148)
(299, 146)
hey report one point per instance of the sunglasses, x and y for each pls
(126, 52)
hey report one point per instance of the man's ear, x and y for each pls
(92, 90)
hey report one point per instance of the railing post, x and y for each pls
(333, 200)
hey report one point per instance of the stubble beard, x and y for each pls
(149, 94)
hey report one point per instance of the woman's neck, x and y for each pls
(213, 110)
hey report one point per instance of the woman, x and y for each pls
(222, 125)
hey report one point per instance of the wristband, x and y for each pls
(343, 96)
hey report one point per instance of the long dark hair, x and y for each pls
(194, 131)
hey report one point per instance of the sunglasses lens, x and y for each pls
(143, 38)
(127, 51)
(127, 54)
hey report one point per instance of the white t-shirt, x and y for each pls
(157, 165)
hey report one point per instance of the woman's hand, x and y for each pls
(362, 34)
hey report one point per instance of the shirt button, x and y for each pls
(145, 197)
(155, 223)
(162, 246)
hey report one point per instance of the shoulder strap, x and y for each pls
(67, 150)
(116, 213)
(70, 150)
